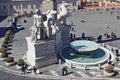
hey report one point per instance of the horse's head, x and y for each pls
(65, 4)
(51, 13)
(63, 10)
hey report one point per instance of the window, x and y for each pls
(37, 5)
(25, 6)
(18, 6)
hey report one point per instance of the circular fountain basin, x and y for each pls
(70, 56)
(84, 46)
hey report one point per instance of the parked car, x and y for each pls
(19, 27)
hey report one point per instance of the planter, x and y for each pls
(18, 67)
(10, 64)
(3, 59)
(108, 74)
(0, 54)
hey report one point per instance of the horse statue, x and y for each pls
(49, 24)
(63, 12)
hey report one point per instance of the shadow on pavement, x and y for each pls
(2, 18)
(2, 31)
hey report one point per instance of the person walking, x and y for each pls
(74, 36)
(26, 67)
(23, 69)
(34, 69)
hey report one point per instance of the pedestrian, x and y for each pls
(8, 20)
(83, 35)
(64, 71)
(117, 52)
(108, 36)
(72, 28)
(26, 66)
(74, 36)
(107, 26)
(71, 35)
(23, 69)
(34, 69)
(112, 35)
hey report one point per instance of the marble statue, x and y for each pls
(33, 34)
(49, 23)
(63, 12)
(35, 30)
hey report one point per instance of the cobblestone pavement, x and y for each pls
(94, 25)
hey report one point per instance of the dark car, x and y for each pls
(19, 27)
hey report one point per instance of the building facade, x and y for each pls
(16, 7)
(12, 7)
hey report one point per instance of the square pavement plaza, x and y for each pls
(95, 23)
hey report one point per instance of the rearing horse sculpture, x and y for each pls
(49, 23)
(63, 12)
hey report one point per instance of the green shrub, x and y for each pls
(4, 55)
(9, 59)
(4, 45)
(20, 62)
(5, 41)
(8, 32)
(6, 37)
(109, 68)
(3, 50)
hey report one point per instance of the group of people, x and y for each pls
(107, 35)
(25, 69)
(112, 35)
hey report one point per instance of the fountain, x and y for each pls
(82, 53)
(84, 46)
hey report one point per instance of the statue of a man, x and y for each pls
(33, 34)
(38, 21)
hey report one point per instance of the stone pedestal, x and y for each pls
(42, 53)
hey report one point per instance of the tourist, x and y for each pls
(99, 38)
(82, 20)
(83, 35)
(34, 69)
(117, 52)
(72, 28)
(112, 35)
(23, 69)
(71, 35)
(117, 58)
(107, 26)
(26, 66)
(108, 36)
(118, 17)
(64, 71)
(74, 36)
